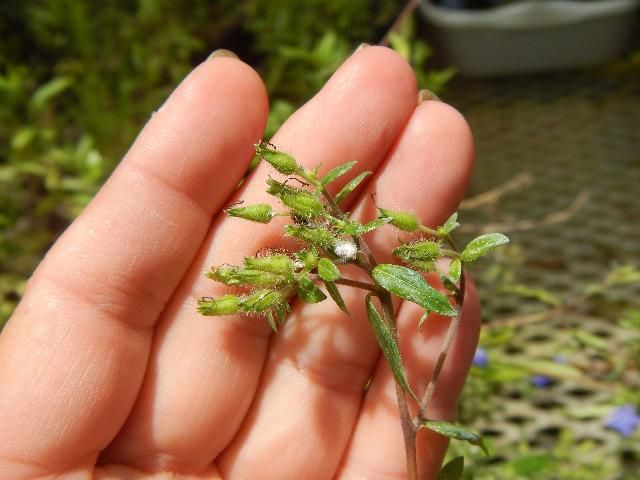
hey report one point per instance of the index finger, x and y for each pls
(73, 355)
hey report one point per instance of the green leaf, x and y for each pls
(337, 172)
(327, 270)
(388, 345)
(309, 292)
(452, 470)
(457, 432)
(410, 285)
(272, 321)
(335, 295)
(351, 186)
(45, 93)
(450, 225)
(482, 245)
(455, 270)
(540, 294)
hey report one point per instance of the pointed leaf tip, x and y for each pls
(481, 245)
(388, 345)
(410, 285)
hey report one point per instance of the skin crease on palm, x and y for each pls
(108, 371)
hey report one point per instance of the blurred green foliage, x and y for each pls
(79, 79)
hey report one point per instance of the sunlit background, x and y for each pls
(552, 92)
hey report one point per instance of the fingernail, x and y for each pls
(427, 95)
(360, 47)
(221, 52)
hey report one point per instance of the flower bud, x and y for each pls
(282, 162)
(304, 204)
(318, 236)
(260, 301)
(280, 264)
(235, 276)
(308, 258)
(402, 220)
(256, 213)
(426, 250)
(225, 305)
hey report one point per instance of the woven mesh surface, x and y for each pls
(576, 137)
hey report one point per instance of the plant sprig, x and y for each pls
(266, 284)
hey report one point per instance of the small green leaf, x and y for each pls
(540, 294)
(452, 470)
(424, 316)
(388, 345)
(410, 285)
(308, 258)
(337, 172)
(450, 225)
(336, 296)
(351, 186)
(45, 93)
(455, 270)
(225, 305)
(401, 220)
(452, 430)
(261, 213)
(309, 292)
(272, 321)
(327, 270)
(482, 245)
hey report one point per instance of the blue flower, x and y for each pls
(541, 381)
(481, 358)
(624, 419)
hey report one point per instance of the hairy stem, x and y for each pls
(352, 283)
(446, 345)
(408, 427)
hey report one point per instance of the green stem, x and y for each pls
(367, 262)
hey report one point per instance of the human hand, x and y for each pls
(108, 371)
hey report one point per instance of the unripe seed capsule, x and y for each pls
(225, 305)
(282, 162)
(260, 301)
(280, 264)
(402, 220)
(426, 250)
(256, 213)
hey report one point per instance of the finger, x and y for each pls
(74, 353)
(376, 450)
(204, 371)
(321, 361)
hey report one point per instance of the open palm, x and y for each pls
(108, 371)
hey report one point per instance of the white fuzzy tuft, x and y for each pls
(346, 250)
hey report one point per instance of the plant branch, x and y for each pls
(351, 283)
(368, 262)
(446, 345)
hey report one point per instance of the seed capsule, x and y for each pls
(402, 220)
(261, 213)
(225, 305)
(282, 162)
(424, 251)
